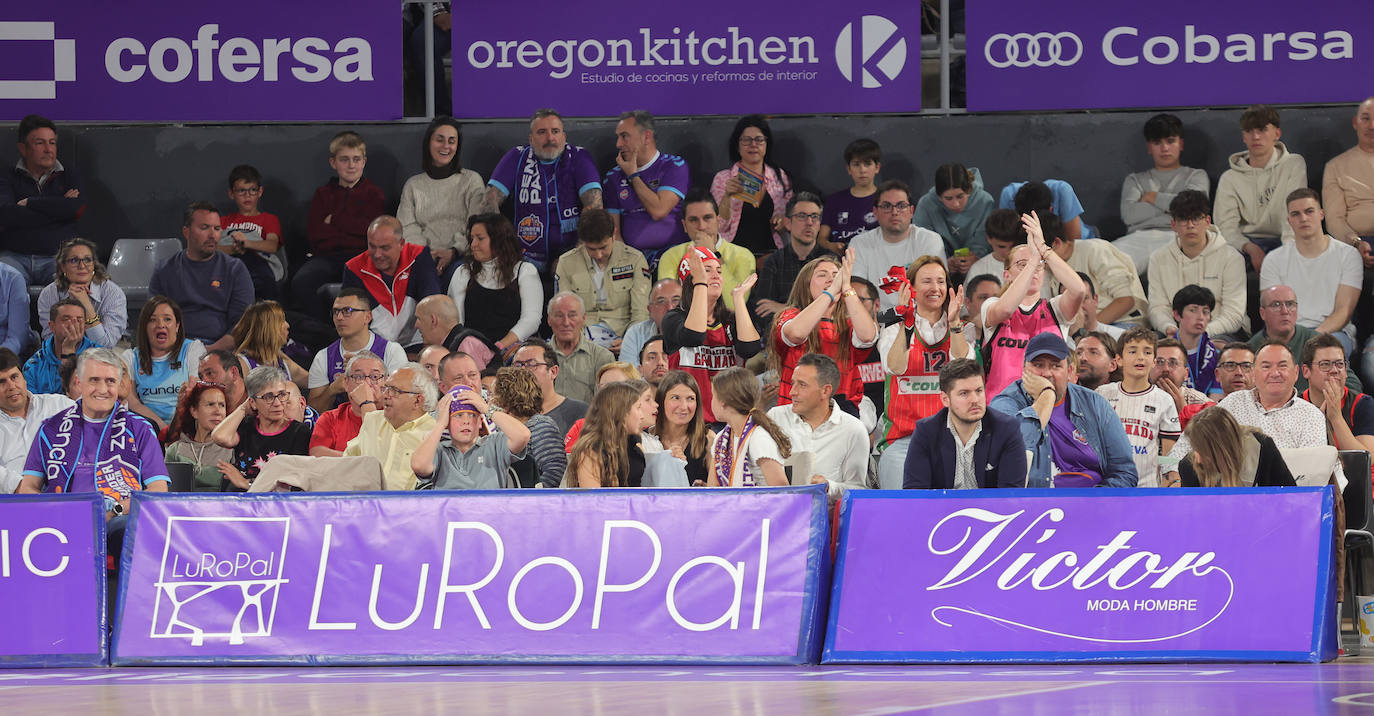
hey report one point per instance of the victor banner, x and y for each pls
(685, 576)
(706, 57)
(1050, 575)
(162, 61)
(52, 580)
(1079, 54)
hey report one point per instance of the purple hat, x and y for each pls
(1046, 344)
(456, 405)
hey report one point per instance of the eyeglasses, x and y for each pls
(675, 301)
(248, 192)
(347, 312)
(1330, 366)
(79, 260)
(270, 398)
(759, 141)
(865, 299)
(1168, 363)
(1190, 222)
(371, 378)
(1280, 305)
(528, 364)
(808, 218)
(393, 390)
(1232, 365)
(889, 206)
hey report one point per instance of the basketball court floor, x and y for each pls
(1343, 687)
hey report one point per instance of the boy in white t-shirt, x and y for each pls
(1147, 412)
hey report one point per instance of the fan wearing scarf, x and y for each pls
(97, 445)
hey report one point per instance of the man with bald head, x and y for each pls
(396, 274)
(1279, 312)
(436, 320)
(578, 357)
(1348, 187)
(429, 360)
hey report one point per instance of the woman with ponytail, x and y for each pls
(750, 448)
(956, 208)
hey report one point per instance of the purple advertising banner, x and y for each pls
(52, 580)
(517, 576)
(1084, 575)
(1082, 54)
(159, 61)
(706, 57)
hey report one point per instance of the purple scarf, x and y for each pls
(117, 460)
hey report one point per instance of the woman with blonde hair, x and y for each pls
(929, 306)
(81, 276)
(261, 334)
(822, 315)
(1228, 454)
(608, 453)
(750, 448)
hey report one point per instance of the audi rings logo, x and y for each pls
(1024, 49)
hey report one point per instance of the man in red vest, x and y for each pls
(397, 274)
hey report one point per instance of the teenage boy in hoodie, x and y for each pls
(1250, 208)
(1145, 196)
(1198, 255)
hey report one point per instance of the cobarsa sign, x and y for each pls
(1123, 46)
(239, 59)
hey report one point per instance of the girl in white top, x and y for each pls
(750, 448)
(436, 203)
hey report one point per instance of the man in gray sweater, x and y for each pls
(1145, 196)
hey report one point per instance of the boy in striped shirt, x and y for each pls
(1147, 412)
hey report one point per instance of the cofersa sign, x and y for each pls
(163, 61)
(1078, 54)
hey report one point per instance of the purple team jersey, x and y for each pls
(546, 195)
(665, 172)
(848, 215)
(1077, 462)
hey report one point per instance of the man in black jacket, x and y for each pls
(965, 445)
(40, 201)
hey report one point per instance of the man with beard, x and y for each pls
(552, 182)
(965, 445)
(1097, 360)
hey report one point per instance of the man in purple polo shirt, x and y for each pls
(644, 192)
(552, 181)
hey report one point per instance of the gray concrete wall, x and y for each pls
(139, 177)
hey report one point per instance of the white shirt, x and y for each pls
(531, 292)
(319, 367)
(1315, 281)
(874, 256)
(18, 434)
(838, 446)
(987, 265)
(1146, 417)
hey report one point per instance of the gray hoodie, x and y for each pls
(1250, 202)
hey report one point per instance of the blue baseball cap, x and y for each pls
(1046, 344)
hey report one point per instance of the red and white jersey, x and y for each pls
(1005, 347)
(915, 394)
(1147, 417)
(715, 355)
(851, 386)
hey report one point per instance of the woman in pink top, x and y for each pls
(754, 222)
(1011, 319)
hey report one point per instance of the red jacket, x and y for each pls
(350, 211)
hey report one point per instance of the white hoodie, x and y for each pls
(1218, 268)
(1251, 202)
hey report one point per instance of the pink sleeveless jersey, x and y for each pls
(1005, 348)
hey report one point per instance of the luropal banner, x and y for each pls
(154, 60)
(52, 580)
(1079, 54)
(705, 57)
(1226, 574)
(730, 576)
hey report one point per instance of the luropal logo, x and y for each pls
(871, 52)
(63, 55)
(220, 578)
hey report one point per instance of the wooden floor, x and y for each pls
(1343, 687)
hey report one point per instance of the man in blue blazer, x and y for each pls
(965, 445)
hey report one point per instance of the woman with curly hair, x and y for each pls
(517, 392)
(81, 276)
(497, 292)
(261, 334)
